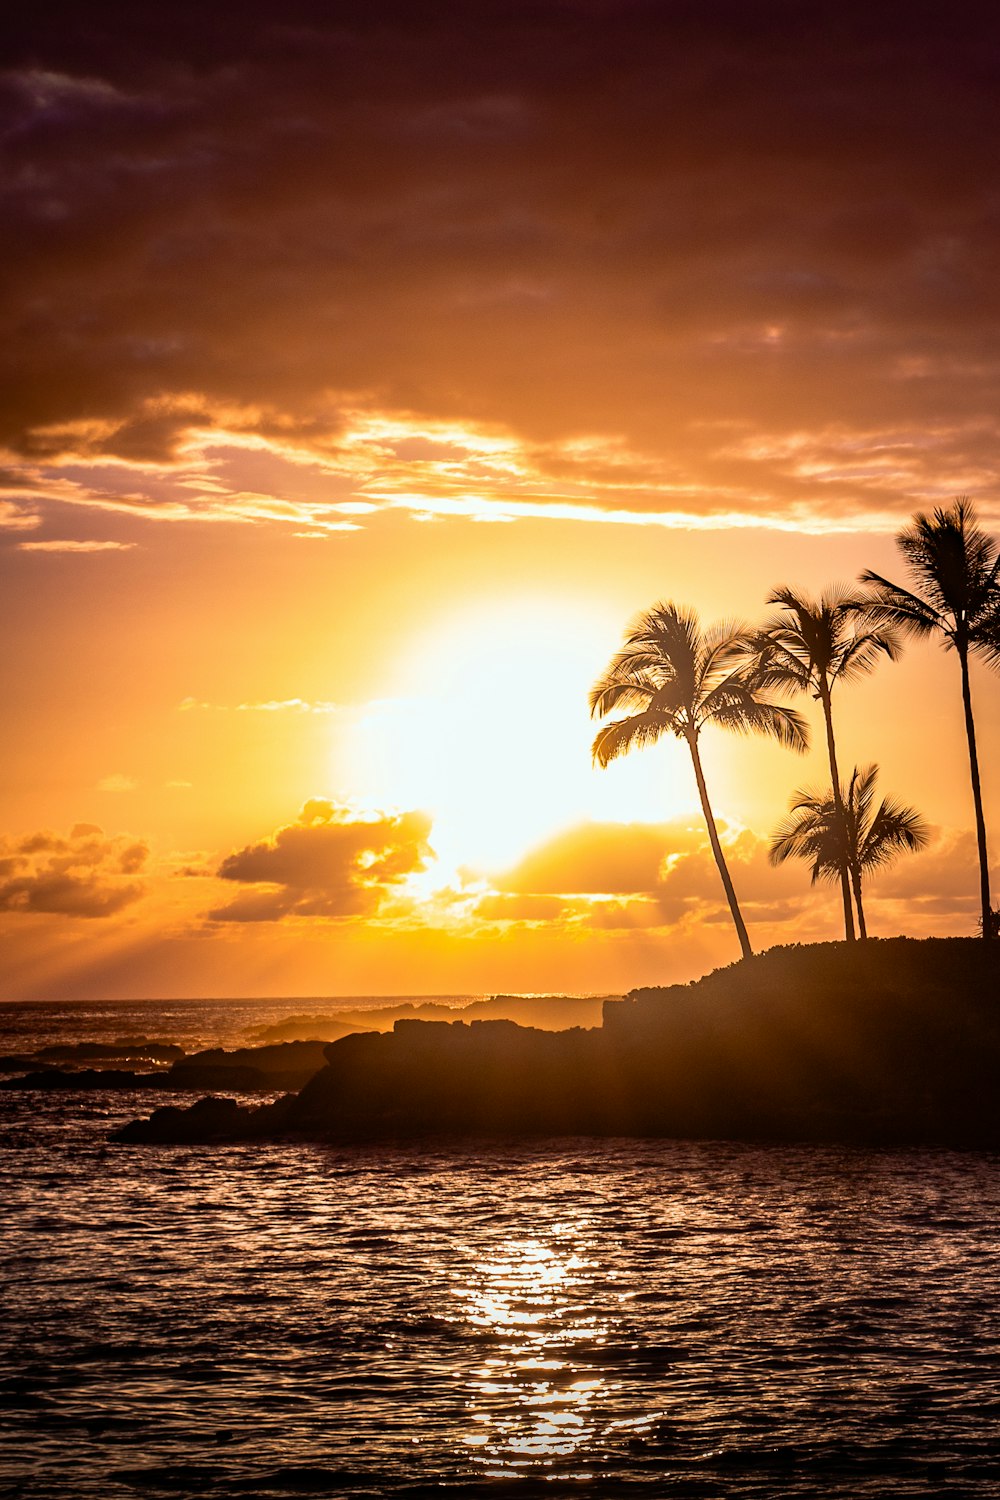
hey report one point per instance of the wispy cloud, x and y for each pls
(268, 706)
(14, 516)
(117, 782)
(76, 546)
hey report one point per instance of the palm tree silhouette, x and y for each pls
(850, 835)
(670, 677)
(955, 568)
(809, 647)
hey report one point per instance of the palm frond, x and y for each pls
(799, 835)
(621, 690)
(736, 708)
(776, 664)
(721, 651)
(890, 604)
(669, 676)
(951, 557)
(860, 794)
(862, 653)
(955, 567)
(816, 643)
(815, 832)
(893, 829)
(622, 735)
(985, 637)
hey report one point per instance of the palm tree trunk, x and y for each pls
(838, 802)
(977, 796)
(720, 858)
(856, 882)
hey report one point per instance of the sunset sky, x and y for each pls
(366, 368)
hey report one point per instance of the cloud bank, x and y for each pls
(696, 263)
(80, 874)
(329, 863)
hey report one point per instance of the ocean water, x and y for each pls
(192, 1024)
(501, 1318)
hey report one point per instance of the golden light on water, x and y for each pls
(531, 1400)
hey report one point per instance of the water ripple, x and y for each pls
(601, 1318)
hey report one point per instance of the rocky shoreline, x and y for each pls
(894, 1041)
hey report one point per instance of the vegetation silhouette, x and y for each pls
(809, 647)
(955, 569)
(671, 677)
(847, 833)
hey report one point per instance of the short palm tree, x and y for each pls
(856, 836)
(671, 677)
(811, 645)
(955, 569)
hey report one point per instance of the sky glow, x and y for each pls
(363, 380)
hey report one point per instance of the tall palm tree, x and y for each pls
(671, 677)
(955, 570)
(862, 838)
(809, 646)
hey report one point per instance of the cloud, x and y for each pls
(82, 874)
(722, 270)
(330, 862)
(601, 859)
(117, 782)
(269, 706)
(639, 875)
(15, 517)
(75, 546)
(942, 878)
(286, 706)
(510, 908)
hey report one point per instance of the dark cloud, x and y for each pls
(761, 242)
(328, 863)
(82, 874)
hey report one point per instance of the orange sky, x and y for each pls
(362, 378)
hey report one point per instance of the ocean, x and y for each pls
(561, 1317)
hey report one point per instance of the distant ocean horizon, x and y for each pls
(194, 1023)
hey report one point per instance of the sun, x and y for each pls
(487, 728)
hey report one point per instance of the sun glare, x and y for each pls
(487, 729)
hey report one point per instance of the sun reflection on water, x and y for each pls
(545, 1307)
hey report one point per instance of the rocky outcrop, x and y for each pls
(546, 1012)
(128, 1050)
(287, 1065)
(892, 1042)
(283, 1065)
(209, 1120)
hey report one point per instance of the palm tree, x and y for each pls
(955, 568)
(810, 646)
(856, 837)
(670, 677)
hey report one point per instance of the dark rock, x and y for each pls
(121, 1050)
(51, 1079)
(247, 1070)
(16, 1062)
(208, 1120)
(283, 1065)
(894, 1041)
